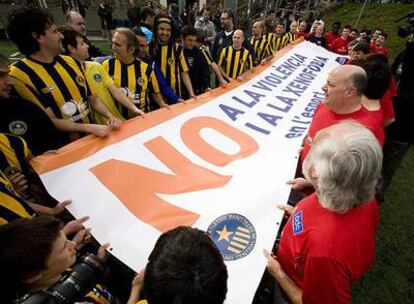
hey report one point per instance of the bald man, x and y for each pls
(78, 23)
(343, 101)
(235, 59)
(261, 45)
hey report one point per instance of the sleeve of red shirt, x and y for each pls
(387, 105)
(325, 281)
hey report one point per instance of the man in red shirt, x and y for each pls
(343, 92)
(328, 242)
(377, 46)
(302, 29)
(340, 44)
(331, 36)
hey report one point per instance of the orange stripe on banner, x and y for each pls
(89, 145)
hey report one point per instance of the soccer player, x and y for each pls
(280, 40)
(377, 46)
(98, 79)
(318, 38)
(261, 45)
(169, 57)
(340, 44)
(292, 35)
(135, 77)
(53, 82)
(221, 76)
(198, 67)
(331, 36)
(235, 59)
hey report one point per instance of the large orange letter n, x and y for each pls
(138, 187)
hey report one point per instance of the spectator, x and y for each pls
(176, 21)
(133, 13)
(358, 50)
(364, 35)
(147, 22)
(44, 71)
(261, 46)
(225, 37)
(340, 44)
(98, 79)
(77, 22)
(184, 267)
(318, 38)
(193, 13)
(375, 33)
(198, 67)
(270, 21)
(139, 81)
(205, 24)
(105, 14)
(328, 242)
(234, 59)
(23, 118)
(168, 56)
(377, 46)
(331, 36)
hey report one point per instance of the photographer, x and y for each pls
(34, 256)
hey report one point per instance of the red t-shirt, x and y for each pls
(330, 37)
(340, 46)
(324, 252)
(324, 118)
(378, 50)
(387, 104)
(302, 34)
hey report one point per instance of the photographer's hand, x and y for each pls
(82, 237)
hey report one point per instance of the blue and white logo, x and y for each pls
(297, 223)
(233, 235)
(341, 60)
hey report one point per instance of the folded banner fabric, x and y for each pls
(219, 163)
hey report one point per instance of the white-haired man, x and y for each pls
(329, 240)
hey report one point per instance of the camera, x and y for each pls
(73, 286)
(405, 30)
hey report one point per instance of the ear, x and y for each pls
(36, 36)
(32, 278)
(132, 50)
(71, 49)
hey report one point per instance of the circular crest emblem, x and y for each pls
(140, 81)
(69, 108)
(80, 80)
(242, 61)
(9, 171)
(170, 61)
(233, 235)
(17, 127)
(97, 77)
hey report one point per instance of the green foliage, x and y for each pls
(375, 16)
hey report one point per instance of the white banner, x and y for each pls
(219, 164)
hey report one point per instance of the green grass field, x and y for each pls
(391, 279)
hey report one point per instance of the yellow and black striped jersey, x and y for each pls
(59, 85)
(206, 54)
(235, 62)
(14, 154)
(135, 79)
(170, 59)
(12, 206)
(261, 48)
(290, 37)
(279, 42)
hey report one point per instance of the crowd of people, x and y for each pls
(65, 88)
